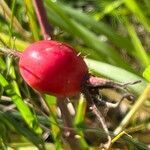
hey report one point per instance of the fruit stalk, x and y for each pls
(42, 19)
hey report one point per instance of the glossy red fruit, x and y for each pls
(53, 67)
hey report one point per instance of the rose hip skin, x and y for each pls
(52, 67)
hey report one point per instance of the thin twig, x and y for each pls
(42, 18)
(98, 114)
(103, 123)
(5, 98)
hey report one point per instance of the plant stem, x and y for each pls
(69, 134)
(42, 19)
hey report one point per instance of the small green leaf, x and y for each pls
(2, 64)
(146, 73)
(81, 110)
(51, 100)
(3, 82)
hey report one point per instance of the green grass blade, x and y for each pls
(146, 73)
(110, 7)
(139, 50)
(79, 120)
(12, 91)
(10, 68)
(3, 81)
(54, 126)
(136, 10)
(18, 44)
(3, 137)
(15, 87)
(117, 74)
(2, 64)
(80, 112)
(6, 12)
(98, 27)
(26, 132)
(139, 145)
(32, 19)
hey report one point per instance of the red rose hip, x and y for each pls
(53, 67)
